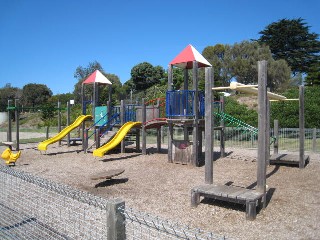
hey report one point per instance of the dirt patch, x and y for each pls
(151, 184)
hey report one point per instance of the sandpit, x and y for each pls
(151, 184)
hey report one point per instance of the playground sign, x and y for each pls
(101, 116)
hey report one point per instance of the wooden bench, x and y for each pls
(251, 198)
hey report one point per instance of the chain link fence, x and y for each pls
(35, 208)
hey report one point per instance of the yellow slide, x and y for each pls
(122, 132)
(43, 145)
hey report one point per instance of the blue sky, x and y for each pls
(44, 41)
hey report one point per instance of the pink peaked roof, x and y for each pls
(187, 56)
(97, 77)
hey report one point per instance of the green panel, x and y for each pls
(101, 114)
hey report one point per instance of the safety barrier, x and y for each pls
(35, 208)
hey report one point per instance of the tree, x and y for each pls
(63, 98)
(34, 94)
(144, 75)
(218, 57)
(239, 61)
(83, 72)
(6, 93)
(313, 77)
(291, 40)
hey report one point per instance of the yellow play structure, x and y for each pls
(116, 139)
(10, 157)
(43, 145)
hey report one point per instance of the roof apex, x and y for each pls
(186, 57)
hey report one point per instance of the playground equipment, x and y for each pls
(186, 108)
(291, 159)
(122, 132)
(43, 145)
(276, 158)
(252, 89)
(10, 157)
(250, 197)
(16, 108)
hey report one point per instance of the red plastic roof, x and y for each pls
(187, 56)
(97, 77)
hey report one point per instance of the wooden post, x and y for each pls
(85, 140)
(138, 139)
(109, 113)
(276, 135)
(262, 129)
(268, 131)
(116, 228)
(314, 140)
(195, 134)
(209, 124)
(68, 122)
(170, 138)
(16, 111)
(9, 134)
(185, 88)
(222, 124)
(158, 140)
(122, 121)
(170, 77)
(94, 99)
(301, 127)
(59, 120)
(84, 136)
(170, 125)
(144, 133)
(98, 132)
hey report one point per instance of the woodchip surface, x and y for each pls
(151, 184)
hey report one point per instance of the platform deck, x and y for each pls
(250, 197)
(287, 159)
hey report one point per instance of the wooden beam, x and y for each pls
(195, 133)
(301, 127)
(209, 125)
(262, 128)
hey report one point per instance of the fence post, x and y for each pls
(116, 228)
